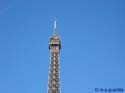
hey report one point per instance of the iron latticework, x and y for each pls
(54, 75)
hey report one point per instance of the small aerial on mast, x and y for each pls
(54, 27)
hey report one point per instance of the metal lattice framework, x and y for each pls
(54, 85)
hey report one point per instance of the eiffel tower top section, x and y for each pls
(54, 70)
(55, 39)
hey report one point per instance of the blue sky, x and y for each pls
(93, 44)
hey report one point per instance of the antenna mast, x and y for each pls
(55, 26)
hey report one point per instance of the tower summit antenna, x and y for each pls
(54, 27)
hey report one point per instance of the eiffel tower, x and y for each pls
(54, 75)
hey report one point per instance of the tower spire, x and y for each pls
(54, 27)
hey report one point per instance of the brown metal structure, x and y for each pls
(54, 75)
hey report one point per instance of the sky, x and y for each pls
(92, 36)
